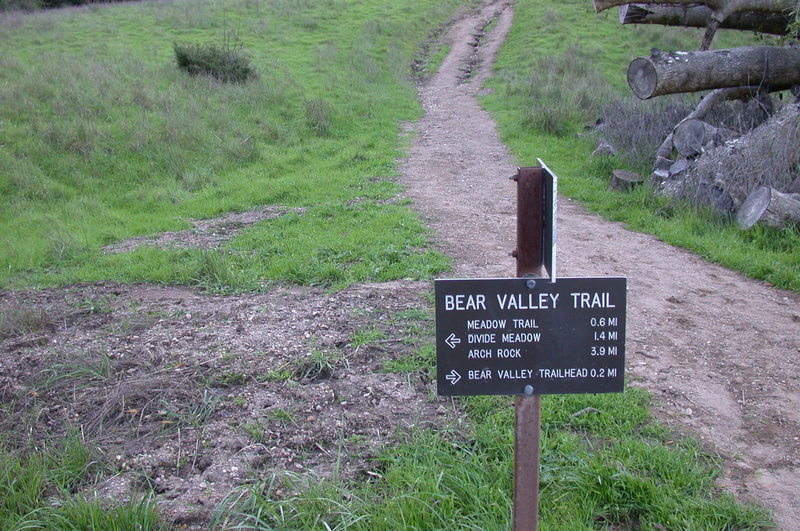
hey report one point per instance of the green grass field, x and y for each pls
(105, 139)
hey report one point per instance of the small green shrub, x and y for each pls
(225, 62)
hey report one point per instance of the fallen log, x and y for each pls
(720, 10)
(698, 16)
(769, 207)
(766, 156)
(715, 196)
(729, 6)
(692, 137)
(775, 68)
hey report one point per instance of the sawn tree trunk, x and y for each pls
(698, 16)
(773, 68)
(721, 6)
(767, 206)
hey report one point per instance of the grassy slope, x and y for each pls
(104, 139)
(592, 52)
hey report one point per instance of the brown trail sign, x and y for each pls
(531, 335)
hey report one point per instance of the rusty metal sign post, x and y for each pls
(530, 255)
(530, 335)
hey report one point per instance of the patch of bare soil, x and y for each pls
(718, 351)
(205, 233)
(198, 395)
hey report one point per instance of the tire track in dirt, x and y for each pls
(719, 352)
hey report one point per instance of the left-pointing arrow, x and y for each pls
(452, 341)
(453, 377)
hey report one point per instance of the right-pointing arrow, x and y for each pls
(453, 377)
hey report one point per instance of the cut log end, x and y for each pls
(642, 78)
(753, 207)
(624, 181)
(633, 14)
(769, 207)
(690, 137)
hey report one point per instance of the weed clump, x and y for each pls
(318, 366)
(225, 62)
(18, 320)
(560, 92)
(637, 128)
(318, 116)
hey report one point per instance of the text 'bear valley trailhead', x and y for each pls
(497, 336)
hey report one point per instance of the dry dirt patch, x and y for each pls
(205, 233)
(197, 395)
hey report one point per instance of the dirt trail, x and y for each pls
(718, 351)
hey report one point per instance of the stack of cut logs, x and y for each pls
(738, 73)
